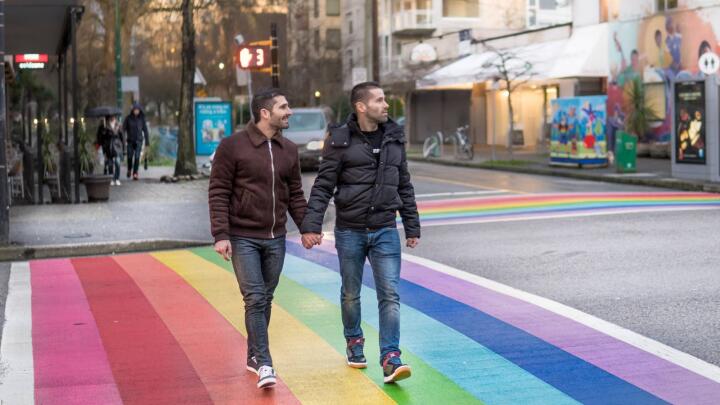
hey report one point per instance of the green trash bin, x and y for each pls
(625, 152)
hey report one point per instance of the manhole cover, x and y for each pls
(77, 236)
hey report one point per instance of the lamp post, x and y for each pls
(118, 55)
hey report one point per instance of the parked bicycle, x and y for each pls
(463, 148)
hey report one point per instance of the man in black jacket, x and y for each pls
(364, 168)
(136, 133)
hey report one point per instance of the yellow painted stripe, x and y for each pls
(310, 367)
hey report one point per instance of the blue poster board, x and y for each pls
(578, 131)
(213, 121)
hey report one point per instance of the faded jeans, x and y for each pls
(257, 264)
(382, 247)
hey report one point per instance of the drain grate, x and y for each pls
(77, 236)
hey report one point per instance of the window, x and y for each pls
(461, 8)
(655, 99)
(350, 58)
(348, 16)
(332, 7)
(316, 8)
(317, 40)
(333, 39)
(663, 5)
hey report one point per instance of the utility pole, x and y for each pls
(375, 43)
(4, 190)
(118, 55)
(275, 74)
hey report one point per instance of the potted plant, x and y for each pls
(640, 115)
(49, 158)
(96, 183)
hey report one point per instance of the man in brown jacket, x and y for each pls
(255, 181)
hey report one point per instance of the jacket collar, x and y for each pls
(389, 129)
(258, 138)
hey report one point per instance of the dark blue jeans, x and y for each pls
(382, 247)
(133, 156)
(257, 264)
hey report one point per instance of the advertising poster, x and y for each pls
(578, 131)
(213, 121)
(690, 122)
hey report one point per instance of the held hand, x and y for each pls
(412, 242)
(224, 249)
(311, 239)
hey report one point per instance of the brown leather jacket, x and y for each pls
(253, 184)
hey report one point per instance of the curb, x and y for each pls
(21, 253)
(662, 182)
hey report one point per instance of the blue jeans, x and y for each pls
(257, 264)
(133, 156)
(382, 247)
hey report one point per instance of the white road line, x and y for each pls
(462, 193)
(661, 350)
(17, 380)
(461, 183)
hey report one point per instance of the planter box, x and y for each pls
(97, 186)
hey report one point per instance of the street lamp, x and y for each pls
(221, 66)
(317, 97)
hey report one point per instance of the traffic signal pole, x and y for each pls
(275, 74)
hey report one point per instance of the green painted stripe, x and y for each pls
(427, 385)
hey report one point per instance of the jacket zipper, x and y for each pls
(272, 165)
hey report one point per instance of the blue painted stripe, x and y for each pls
(573, 376)
(459, 358)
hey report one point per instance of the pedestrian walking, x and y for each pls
(255, 181)
(364, 167)
(110, 138)
(136, 134)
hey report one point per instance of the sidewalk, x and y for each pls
(650, 172)
(141, 215)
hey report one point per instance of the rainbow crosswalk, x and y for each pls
(539, 206)
(168, 327)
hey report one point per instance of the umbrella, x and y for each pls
(103, 111)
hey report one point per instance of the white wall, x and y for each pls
(586, 12)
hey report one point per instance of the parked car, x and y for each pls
(308, 129)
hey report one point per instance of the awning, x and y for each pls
(584, 54)
(36, 26)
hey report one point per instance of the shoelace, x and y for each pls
(356, 347)
(265, 371)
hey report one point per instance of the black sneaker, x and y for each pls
(252, 365)
(394, 369)
(354, 351)
(266, 377)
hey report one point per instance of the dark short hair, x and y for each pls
(264, 99)
(361, 92)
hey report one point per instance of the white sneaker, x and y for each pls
(112, 182)
(117, 183)
(266, 377)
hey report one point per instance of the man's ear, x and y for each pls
(360, 107)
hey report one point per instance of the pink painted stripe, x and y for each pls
(71, 366)
(660, 377)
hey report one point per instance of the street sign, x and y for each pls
(252, 57)
(709, 63)
(31, 60)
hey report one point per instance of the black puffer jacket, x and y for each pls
(368, 193)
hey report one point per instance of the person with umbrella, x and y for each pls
(110, 138)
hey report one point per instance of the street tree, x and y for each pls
(513, 71)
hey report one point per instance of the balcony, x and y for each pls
(413, 22)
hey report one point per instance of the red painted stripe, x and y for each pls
(215, 348)
(71, 366)
(551, 197)
(149, 365)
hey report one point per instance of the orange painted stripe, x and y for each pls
(215, 348)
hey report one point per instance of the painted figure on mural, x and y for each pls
(630, 72)
(674, 46)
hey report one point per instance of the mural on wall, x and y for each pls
(654, 52)
(578, 130)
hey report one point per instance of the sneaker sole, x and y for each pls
(400, 373)
(252, 370)
(357, 365)
(267, 383)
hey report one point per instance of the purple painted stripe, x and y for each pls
(660, 377)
